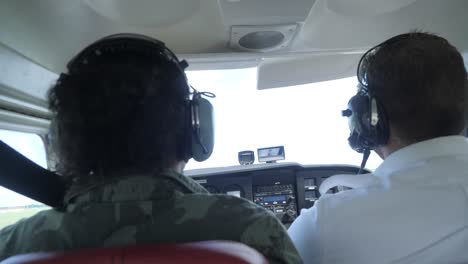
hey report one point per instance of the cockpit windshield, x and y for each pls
(305, 119)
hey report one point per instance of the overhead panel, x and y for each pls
(264, 12)
(347, 24)
(366, 7)
(145, 13)
(50, 32)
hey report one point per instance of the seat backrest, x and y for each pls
(197, 252)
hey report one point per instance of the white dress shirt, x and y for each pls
(412, 209)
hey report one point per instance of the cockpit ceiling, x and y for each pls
(50, 32)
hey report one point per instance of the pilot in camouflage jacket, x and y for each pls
(166, 208)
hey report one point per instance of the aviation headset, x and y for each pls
(198, 141)
(367, 119)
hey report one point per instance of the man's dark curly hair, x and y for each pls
(122, 113)
(421, 80)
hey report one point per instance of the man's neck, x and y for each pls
(393, 145)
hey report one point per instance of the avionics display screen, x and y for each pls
(271, 154)
(246, 157)
(270, 199)
(234, 193)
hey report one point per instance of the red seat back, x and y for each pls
(197, 252)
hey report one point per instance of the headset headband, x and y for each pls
(124, 42)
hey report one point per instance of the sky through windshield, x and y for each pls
(305, 119)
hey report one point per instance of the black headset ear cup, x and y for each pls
(363, 134)
(203, 129)
(358, 105)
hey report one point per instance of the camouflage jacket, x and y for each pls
(145, 209)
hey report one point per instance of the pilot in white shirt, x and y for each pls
(414, 207)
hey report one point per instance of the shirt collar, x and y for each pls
(422, 151)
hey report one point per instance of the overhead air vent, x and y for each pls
(262, 38)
